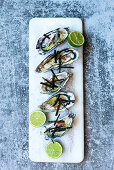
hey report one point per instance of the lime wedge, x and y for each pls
(54, 150)
(37, 118)
(75, 39)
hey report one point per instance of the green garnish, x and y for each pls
(75, 39)
(54, 150)
(37, 118)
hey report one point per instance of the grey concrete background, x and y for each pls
(14, 88)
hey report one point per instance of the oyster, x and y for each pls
(51, 40)
(49, 87)
(60, 128)
(67, 56)
(62, 100)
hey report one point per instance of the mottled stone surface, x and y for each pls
(14, 82)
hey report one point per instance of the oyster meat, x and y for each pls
(49, 86)
(63, 100)
(62, 126)
(67, 56)
(51, 40)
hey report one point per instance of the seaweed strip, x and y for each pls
(60, 80)
(54, 74)
(47, 130)
(62, 129)
(63, 100)
(58, 108)
(59, 63)
(53, 81)
(65, 106)
(47, 36)
(53, 121)
(49, 85)
(57, 129)
(52, 136)
(55, 56)
(56, 120)
(52, 140)
(46, 84)
(67, 67)
(46, 80)
(57, 100)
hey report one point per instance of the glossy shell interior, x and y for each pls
(60, 81)
(65, 122)
(51, 40)
(52, 103)
(68, 56)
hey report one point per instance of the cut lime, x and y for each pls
(54, 150)
(75, 39)
(37, 118)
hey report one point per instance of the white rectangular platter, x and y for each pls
(73, 140)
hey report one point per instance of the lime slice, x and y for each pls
(54, 150)
(37, 118)
(75, 39)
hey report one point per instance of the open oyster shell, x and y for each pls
(62, 126)
(59, 82)
(68, 56)
(51, 40)
(62, 99)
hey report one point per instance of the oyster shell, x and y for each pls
(59, 83)
(67, 55)
(51, 40)
(63, 100)
(62, 126)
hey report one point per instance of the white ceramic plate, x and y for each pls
(73, 141)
